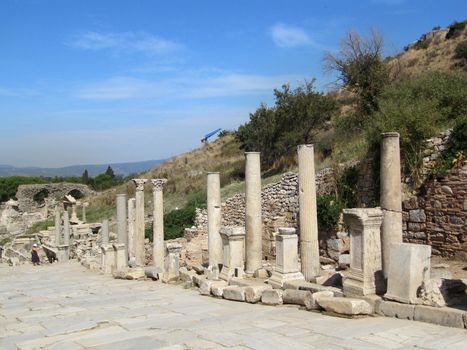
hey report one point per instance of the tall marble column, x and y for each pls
(105, 232)
(391, 198)
(57, 226)
(158, 223)
(139, 222)
(131, 228)
(309, 244)
(66, 229)
(121, 220)
(214, 219)
(253, 244)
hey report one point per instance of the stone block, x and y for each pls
(135, 273)
(234, 293)
(253, 293)
(278, 279)
(394, 309)
(198, 279)
(272, 297)
(442, 316)
(409, 267)
(345, 306)
(296, 297)
(217, 288)
(344, 260)
(417, 215)
(186, 275)
(205, 288)
(312, 304)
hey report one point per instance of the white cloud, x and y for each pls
(201, 84)
(127, 42)
(289, 36)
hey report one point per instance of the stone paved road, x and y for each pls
(66, 307)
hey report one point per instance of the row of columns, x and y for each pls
(389, 233)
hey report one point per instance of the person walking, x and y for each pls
(35, 255)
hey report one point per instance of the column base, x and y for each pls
(278, 279)
(63, 253)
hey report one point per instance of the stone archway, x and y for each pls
(40, 196)
(77, 194)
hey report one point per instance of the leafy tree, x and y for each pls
(9, 185)
(297, 116)
(110, 172)
(85, 177)
(361, 69)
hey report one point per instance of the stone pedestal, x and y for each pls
(158, 223)
(410, 266)
(131, 228)
(232, 241)
(66, 229)
(105, 232)
(309, 244)
(253, 242)
(172, 265)
(365, 275)
(63, 253)
(214, 219)
(121, 260)
(391, 198)
(122, 235)
(139, 223)
(287, 268)
(108, 258)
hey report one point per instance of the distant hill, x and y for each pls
(123, 169)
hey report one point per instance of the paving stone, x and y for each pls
(441, 316)
(345, 306)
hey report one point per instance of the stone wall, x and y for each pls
(279, 203)
(26, 193)
(438, 214)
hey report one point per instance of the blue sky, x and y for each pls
(100, 81)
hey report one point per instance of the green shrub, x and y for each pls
(347, 187)
(422, 44)
(455, 30)
(461, 50)
(9, 185)
(456, 147)
(329, 209)
(39, 226)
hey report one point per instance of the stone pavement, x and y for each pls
(67, 307)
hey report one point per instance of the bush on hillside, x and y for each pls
(455, 29)
(329, 209)
(461, 50)
(456, 148)
(9, 185)
(417, 109)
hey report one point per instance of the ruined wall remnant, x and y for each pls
(31, 196)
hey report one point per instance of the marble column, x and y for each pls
(214, 219)
(253, 244)
(122, 235)
(131, 228)
(365, 275)
(66, 229)
(105, 232)
(158, 223)
(139, 222)
(74, 215)
(309, 244)
(391, 198)
(83, 211)
(57, 226)
(172, 262)
(287, 267)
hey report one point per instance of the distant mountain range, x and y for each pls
(124, 169)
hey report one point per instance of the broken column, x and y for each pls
(74, 215)
(309, 244)
(139, 222)
(287, 268)
(232, 240)
(108, 252)
(253, 243)
(172, 262)
(214, 219)
(409, 268)
(391, 198)
(122, 235)
(63, 250)
(83, 211)
(158, 223)
(57, 226)
(131, 229)
(365, 275)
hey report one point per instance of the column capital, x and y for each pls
(140, 184)
(158, 184)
